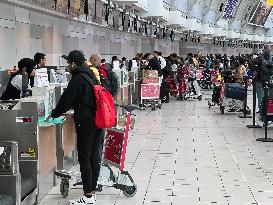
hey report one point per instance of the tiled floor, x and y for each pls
(188, 154)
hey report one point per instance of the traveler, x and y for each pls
(261, 72)
(94, 64)
(114, 59)
(103, 68)
(161, 59)
(192, 78)
(79, 95)
(154, 64)
(123, 62)
(40, 60)
(14, 87)
(241, 71)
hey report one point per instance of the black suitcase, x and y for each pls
(216, 94)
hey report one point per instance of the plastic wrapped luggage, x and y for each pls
(216, 94)
(235, 91)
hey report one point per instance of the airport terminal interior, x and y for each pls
(136, 102)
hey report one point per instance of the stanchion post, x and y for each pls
(254, 106)
(265, 119)
(245, 114)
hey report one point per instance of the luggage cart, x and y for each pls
(115, 147)
(150, 90)
(223, 102)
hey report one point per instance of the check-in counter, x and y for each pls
(47, 152)
(39, 148)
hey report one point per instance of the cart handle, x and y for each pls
(129, 108)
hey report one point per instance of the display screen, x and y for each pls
(230, 8)
(261, 14)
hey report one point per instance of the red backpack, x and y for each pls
(105, 113)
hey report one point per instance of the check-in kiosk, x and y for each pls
(10, 176)
(39, 147)
(21, 125)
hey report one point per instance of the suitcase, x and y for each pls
(234, 91)
(269, 110)
(216, 94)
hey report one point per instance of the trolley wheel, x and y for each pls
(209, 104)
(99, 188)
(248, 111)
(159, 106)
(64, 187)
(131, 191)
(222, 109)
(153, 108)
(200, 97)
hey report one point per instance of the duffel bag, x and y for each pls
(234, 91)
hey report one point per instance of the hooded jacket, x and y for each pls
(78, 95)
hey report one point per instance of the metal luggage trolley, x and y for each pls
(150, 89)
(234, 105)
(115, 146)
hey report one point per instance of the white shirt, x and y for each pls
(17, 82)
(162, 62)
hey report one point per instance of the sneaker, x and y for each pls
(83, 200)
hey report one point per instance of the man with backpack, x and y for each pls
(80, 95)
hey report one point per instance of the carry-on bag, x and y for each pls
(235, 91)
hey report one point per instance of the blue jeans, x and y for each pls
(260, 93)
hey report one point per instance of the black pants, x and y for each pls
(164, 90)
(101, 134)
(89, 154)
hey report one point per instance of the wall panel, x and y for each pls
(8, 48)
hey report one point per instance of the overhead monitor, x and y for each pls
(260, 14)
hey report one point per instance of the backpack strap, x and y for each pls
(87, 78)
